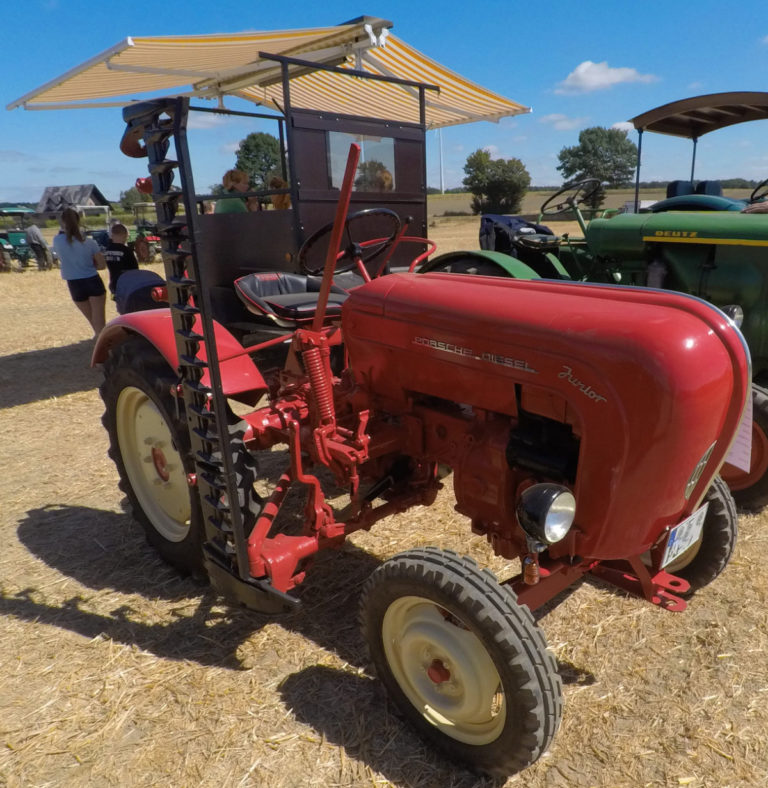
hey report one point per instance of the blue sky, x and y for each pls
(576, 64)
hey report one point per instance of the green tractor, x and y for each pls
(696, 241)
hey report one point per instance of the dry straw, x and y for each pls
(117, 672)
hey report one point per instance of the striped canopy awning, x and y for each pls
(694, 117)
(212, 66)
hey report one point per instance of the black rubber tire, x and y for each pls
(754, 497)
(470, 600)
(136, 364)
(718, 539)
(137, 368)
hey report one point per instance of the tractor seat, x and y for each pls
(538, 241)
(286, 299)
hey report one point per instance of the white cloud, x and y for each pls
(206, 120)
(764, 40)
(589, 76)
(623, 125)
(492, 149)
(230, 147)
(15, 156)
(563, 122)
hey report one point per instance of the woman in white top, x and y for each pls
(80, 258)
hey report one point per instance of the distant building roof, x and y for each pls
(57, 198)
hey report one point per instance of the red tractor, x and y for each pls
(584, 426)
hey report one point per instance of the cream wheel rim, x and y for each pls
(153, 464)
(444, 670)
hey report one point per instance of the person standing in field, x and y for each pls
(80, 260)
(118, 254)
(39, 247)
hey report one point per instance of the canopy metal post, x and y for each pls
(440, 141)
(693, 159)
(637, 169)
(423, 122)
(283, 150)
(298, 228)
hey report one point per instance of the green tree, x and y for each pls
(259, 156)
(373, 176)
(497, 185)
(606, 154)
(130, 197)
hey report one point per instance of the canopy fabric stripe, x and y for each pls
(211, 66)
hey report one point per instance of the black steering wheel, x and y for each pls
(352, 251)
(760, 191)
(570, 196)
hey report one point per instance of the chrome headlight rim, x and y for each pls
(546, 512)
(734, 313)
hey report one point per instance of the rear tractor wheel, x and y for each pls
(750, 490)
(465, 664)
(149, 444)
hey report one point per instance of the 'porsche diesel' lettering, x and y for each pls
(491, 358)
(506, 361)
(446, 347)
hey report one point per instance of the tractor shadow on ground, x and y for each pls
(41, 374)
(352, 711)
(106, 551)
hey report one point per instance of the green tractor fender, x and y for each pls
(479, 263)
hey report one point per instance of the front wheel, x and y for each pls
(704, 560)
(465, 664)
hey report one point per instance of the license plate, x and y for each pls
(684, 535)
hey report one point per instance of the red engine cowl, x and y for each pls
(646, 381)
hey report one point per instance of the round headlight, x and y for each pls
(735, 314)
(546, 512)
(559, 518)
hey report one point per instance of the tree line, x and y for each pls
(499, 185)
(496, 185)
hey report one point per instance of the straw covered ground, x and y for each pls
(114, 671)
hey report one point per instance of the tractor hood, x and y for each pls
(626, 236)
(651, 381)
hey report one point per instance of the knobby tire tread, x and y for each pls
(720, 531)
(144, 364)
(515, 634)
